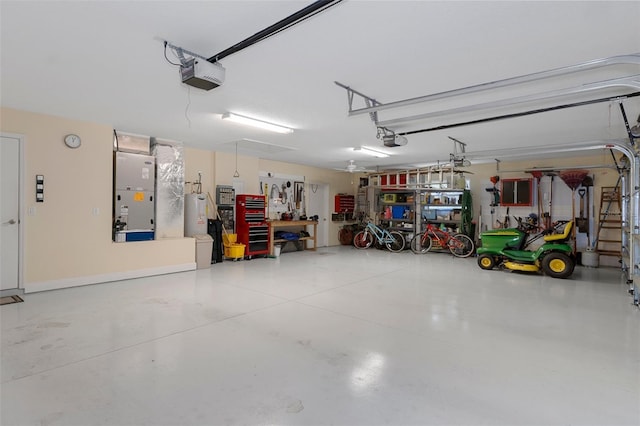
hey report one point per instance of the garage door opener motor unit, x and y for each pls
(202, 74)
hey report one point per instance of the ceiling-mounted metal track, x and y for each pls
(283, 24)
(370, 102)
(632, 59)
(632, 82)
(519, 114)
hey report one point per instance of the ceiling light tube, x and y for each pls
(372, 152)
(256, 123)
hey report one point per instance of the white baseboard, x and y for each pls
(104, 278)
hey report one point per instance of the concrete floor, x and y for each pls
(338, 336)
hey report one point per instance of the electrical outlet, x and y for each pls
(95, 211)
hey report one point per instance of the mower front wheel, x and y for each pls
(558, 265)
(486, 261)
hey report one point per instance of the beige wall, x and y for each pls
(197, 160)
(249, 169)
(338, 182)
(67, 239)
(561, 194)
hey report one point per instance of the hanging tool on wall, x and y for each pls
(275, 192)
(537, 174)
(573, 179)
(581, 222)
(588, 183)
(548, 213)
(507, 221)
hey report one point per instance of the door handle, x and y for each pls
(10, 222)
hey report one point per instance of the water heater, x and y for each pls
(195, 214)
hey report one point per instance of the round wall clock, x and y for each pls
(72, 141)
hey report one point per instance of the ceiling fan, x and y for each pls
(352, 167)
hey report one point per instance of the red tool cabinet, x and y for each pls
(251, 224)
(344, 203)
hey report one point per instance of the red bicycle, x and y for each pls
(459, 245)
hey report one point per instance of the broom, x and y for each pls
(215, 209)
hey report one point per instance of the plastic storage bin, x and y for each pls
(398, 212)
(204, 249)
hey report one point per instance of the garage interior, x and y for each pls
(524, 110)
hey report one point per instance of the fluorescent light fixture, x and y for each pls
(372, 152)
(256, 123)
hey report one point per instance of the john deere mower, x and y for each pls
(506, 248)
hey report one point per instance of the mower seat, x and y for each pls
(560, 237)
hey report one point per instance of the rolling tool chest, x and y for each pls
(251, 224)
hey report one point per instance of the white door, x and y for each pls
(9, 212)
(318, 204)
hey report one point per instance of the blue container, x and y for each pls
(139, 235)
(397, 212)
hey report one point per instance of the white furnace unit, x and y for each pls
(134, 211)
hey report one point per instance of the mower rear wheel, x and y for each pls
(558, 265)
(363, 240)
(486, 261)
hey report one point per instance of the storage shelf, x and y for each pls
(426, 205)
(400, 229)
(442, 206)
(274, 224)
(280, 240)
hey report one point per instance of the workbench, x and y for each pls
(275, 224)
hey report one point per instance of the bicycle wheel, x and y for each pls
(420, 244)
(397, 245)
(461, 246)
(363, 240)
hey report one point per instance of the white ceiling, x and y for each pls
(102, 61)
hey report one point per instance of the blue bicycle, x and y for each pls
(393, 240)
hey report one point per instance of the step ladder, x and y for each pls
(609, 235)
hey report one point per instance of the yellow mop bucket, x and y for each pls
(234, 250)
(228, 239)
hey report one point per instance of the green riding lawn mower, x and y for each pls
(506, 249)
